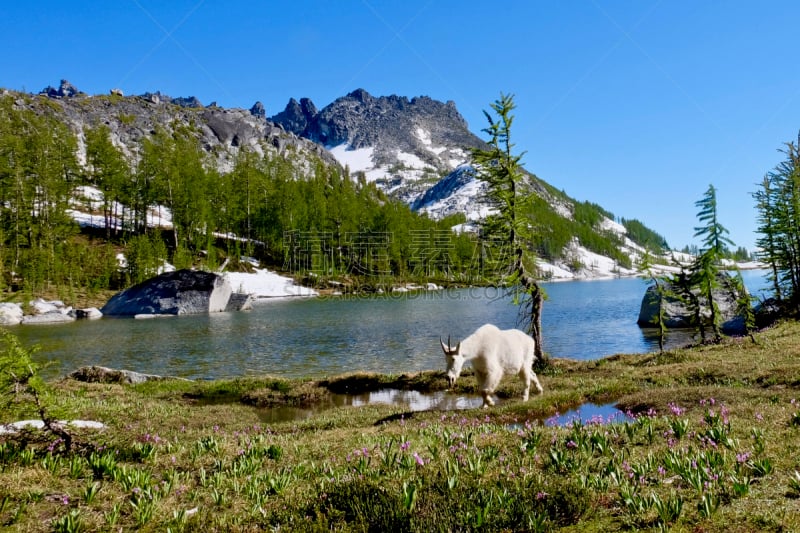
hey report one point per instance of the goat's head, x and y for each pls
(454, 360)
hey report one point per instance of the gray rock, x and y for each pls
(182, 292)
(258, 110)
(177, 293)
(229, 127)
(55, 317)
(40, 306)
(190, 102)
(65, 90)
(240, 302)
(677, 315)
(90, 313)
(102, 374)
(10, 314)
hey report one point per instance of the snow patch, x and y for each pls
(266, 284)
(609, 225)
(16, 427)
(425, 138)
(411, 160)
(462, 200)
(359, 159)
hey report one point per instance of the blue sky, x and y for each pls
(635, 105)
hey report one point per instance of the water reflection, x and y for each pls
(409, 399)
(414, 400)
(589, 414)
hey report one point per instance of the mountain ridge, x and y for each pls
(416, 150)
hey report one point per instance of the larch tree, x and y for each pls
(500, 168)
(706, 266)
(778, 205)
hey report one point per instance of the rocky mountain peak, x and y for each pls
(361, 95)
(65, 90)
(258, 110)
(404, 145)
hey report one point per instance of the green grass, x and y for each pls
(714, 446)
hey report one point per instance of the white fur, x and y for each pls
(494, 353)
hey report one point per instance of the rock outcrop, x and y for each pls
(678, 315)
(221, 132)
(258, 110)
(65, 90)
(10, 314)
(102, 374)
(44, 312)
(182, 292)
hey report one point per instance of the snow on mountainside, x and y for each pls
(402, 145)
(458, 192)
(418, 151)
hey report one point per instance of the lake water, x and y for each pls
(319, 337)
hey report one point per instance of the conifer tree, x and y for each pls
(778, 205)
(661, 294)
(500, 168)
(705, 268)
(107, 170)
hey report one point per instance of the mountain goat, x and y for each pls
(493, 354)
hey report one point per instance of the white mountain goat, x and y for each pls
(493, 353)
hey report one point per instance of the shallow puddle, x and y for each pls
(588, 413)
(412, 400)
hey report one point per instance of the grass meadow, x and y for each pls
(711, 443)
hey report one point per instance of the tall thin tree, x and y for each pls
(501, 169)
(706, 266)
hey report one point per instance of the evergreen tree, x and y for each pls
(500, 168)
(769, 244)
(107, 170)
(706, 267)
(778, 205)
(661, 294)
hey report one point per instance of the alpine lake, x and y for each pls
(326, 336)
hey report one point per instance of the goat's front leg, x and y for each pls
(487, 398)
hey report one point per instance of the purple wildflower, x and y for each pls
(676, 409)
(742, 458)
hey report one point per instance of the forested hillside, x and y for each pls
(280, 209)
(100, 191)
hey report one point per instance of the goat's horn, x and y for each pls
(445, 348)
